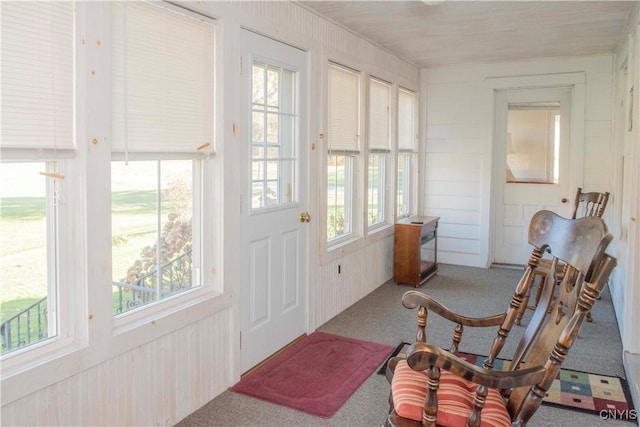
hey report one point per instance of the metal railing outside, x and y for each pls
(25, 328)
(176, 277)
(31, 324)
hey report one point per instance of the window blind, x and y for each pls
(163, 79)
(344, 109)
(37, 75)
(379, 114)
(406, 120)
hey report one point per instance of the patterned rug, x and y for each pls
(575, 390)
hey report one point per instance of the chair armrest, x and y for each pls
(391, 366)
(413, 299)
(420, 356)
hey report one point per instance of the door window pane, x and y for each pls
(273, 162)
(152, 231)
(533, 143)
(28, 235)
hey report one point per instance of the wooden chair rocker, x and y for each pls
(584, 205)
(435, 387)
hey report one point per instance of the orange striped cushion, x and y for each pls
(455, 398)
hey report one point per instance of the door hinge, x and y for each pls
(241, 65)
(240, 340)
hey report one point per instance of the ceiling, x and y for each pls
(439, 33)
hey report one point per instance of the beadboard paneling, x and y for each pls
(158, 383)
(361, 272)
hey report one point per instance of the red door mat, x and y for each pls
(317, 374)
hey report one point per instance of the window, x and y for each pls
(403, 197)
(273, 135)
(344, 149)
(379, 139)
(28, 242)
(407, 153)
(376, 190)
(533, 142)
(162, 136)
(152, 205)
(339, 195)
(37, 133)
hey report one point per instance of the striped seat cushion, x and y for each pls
(455, 398)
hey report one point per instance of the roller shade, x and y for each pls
(379, 115)
(163, 79)
(344, 109)
(37, 75)
(406, 120)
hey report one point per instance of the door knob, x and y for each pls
(305, 217)
(564, 200)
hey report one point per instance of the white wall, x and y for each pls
(159, 372)
(626, 150)
(626, 157)
(458, 145)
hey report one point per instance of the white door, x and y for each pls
(533, 141)
(274, 239)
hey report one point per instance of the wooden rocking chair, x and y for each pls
(431, 386)
(584, 205)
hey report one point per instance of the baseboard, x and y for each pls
(268, 359)
(632, 368)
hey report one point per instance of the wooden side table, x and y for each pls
(415, 250)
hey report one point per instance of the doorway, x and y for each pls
(275, 222)
(532, 172)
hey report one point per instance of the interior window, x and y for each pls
(533, 143)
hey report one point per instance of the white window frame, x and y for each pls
(47, 136)
(352, 150)
(349, 189)
(63, 249)
(380, 143)
(203, 154)
(408, 184)
(381, 186)
(198, 240)
(407, 146)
